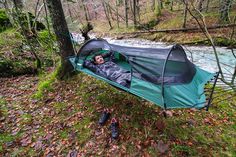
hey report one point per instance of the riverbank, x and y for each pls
(170, 20)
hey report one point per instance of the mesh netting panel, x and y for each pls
(93, 46)
(178, 68)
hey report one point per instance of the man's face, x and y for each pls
(99, 59)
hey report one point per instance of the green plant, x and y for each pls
(45, 84)
(4, 21)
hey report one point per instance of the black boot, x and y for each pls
(114, 129)
(104, 117)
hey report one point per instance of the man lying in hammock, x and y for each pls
(108, 69)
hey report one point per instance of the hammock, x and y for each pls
(163, 76)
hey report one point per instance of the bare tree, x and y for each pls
(62, 33)
(224, 11)
(69, 10)
(106, 13)
(126, 13)
(117, 14)
(185, 14)
(138, 9)
(134, 13)
(207, 5)
(200, 19)
(232, 34)
(23, 23)
(200, 5)
(85, 11)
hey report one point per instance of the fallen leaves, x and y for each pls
(26, 140)
(64, 123)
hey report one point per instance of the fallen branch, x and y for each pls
(181, 29)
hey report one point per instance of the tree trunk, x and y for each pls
(109, 10)
(85, 12)
(171, 5)
(68, 7)
(134, 13)
(200, 5)
(85, 30)
(224, 11)
(19, 4)
(138, 9)
(117, 14)
(106, 13)
(126, 13)
(62, 33)
(153, 5)
(232, 34)
(24, 24)
(185, 14)
(207, 5)
(157, 7)
(131, 7)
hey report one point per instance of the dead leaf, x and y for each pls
(160, 125)
(26, 141)
(72, 153)
(162, 147)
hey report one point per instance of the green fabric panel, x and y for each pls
(147, 90)
(188, 95)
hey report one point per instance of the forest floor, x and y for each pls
(41, 116)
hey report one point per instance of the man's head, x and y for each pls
(98, 59)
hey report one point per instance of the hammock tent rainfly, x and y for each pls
(163, 76)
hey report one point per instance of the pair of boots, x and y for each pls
(114, 123)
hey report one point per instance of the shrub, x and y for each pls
(4, 20)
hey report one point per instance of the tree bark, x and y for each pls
(62, 33)
(85, 12)
(200, 5)
(207, 5)
(117, 14)
(19, 4)
(134, 13)
(185, 14)
(24, 25)
(171, 5)
(232, 34)
(153, 5)
(138, 9)
(107, 15)
(70, 13)
(224, 11)
(126, 13)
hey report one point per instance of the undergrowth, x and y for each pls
(45, 83)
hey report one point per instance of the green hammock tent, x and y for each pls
(163, 76)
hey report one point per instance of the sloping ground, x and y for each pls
(171, 20)
(64, 122)
(16, 57)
